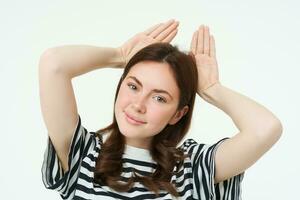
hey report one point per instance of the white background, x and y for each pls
(257, 45)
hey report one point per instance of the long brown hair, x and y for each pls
(163, 145)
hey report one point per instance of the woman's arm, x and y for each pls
(57, 67)
(75, 60)
(259, 128)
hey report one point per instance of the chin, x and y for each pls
(129, 133)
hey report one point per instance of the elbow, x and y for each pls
(46, 56)
(272, 133)
(278, 129)
(48, 61)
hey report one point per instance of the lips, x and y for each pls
(134, 118)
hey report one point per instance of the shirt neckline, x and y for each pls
(137, 153)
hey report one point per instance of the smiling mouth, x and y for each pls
(132, 121)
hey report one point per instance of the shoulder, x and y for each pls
(191, 146)
(187, 143)
(87, 141)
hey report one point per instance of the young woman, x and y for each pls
(154, 100)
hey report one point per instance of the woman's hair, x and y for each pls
(163, 145)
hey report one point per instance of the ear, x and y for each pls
(178, 115)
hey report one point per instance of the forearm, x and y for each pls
(75, 60)
(248, 115)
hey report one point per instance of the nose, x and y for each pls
(139, 104)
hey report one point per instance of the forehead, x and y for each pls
(155, 75)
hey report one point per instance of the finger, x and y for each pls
(200, 40)
(152, 28)
(161, 28)
(170, 37)
(212, 47)
(194, 43)
(167, 31)
(206, 40)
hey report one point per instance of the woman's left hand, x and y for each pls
(204, 52)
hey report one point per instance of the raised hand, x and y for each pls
(204, 52)
(162, 32)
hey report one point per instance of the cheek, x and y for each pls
(157, 120)
(158, 116)
(123, 99)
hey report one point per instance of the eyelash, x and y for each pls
(163, 99)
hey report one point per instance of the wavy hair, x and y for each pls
(163, 145)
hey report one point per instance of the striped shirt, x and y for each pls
(195, 179)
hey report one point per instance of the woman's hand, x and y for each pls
(162, 32)
(204, 52)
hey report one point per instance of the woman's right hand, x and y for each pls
(162, 32)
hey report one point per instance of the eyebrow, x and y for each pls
(154, 90)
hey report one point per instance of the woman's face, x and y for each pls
(141, 97)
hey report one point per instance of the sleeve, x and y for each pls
(203, 169)
(52, 171)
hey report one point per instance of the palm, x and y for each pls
(207, 67)
(133, 45)
(163, 32)
(203, 49)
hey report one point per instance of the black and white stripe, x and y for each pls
(195, 179)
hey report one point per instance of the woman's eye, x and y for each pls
(130, 85)
(161, 99)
